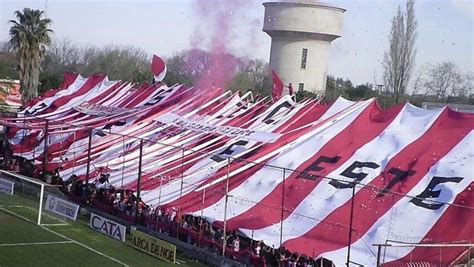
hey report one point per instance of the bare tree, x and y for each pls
(399, 60)
(464, 90)
(62, 55)
(420, 76)
(443, 81)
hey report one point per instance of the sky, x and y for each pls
(163, 27)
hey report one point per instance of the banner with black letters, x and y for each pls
(153, 246)
(107, 227)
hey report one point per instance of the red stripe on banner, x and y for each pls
(109, 92)
(134, 93)
(368, 125)
(191, 202)
(456, 225)
(91, 82)
(174, 169)
(148, 180)
(418, 156)
(141, 94)
(68, 79)
(308, 114)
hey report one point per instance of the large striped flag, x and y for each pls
(404, 173)
(277, 90)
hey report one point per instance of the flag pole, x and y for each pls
(202, 214)
(88, 157)
(182, 173)
(350, 227)
(159, 196)
(282, 207)
(123, 160)
(139, 181)
(224, 243)
(45, 150)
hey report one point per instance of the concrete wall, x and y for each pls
(306, 18)
(285, 58)
(294, 25)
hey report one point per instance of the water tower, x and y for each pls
(302, 32)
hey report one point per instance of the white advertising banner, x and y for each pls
(6, 186)
(62, 207)
(199, 126)
(107, 227)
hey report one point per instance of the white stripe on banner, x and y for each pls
(266, 179)
(411, 221)
(390, 139)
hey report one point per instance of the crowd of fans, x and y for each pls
(172, 221)
(194, 230)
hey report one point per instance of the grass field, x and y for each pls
(23, 243)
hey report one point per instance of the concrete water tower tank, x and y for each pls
(302, 32)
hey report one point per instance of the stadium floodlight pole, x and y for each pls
(45, 149)
(282, 207)
(350, 227)
(139, 181)
(224, 243)
(88, 166)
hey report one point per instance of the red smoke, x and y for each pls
(219, 18)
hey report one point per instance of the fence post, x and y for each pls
(182, 173)
(202, 214)
(139, 181)
(350, 227)
(379, 250)
(45, 150)
(282, 207)
(224, 242)
(88, 166)
(123, 160)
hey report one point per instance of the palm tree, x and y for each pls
(29, 35)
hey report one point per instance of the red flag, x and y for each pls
(158, 68)
(277, 86)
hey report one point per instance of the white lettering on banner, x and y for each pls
(107, 227)
(99, 110)
(258, 136)
(6, 186)
(62, 207)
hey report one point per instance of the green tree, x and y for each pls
(177, 71)
(127, 63)
(336, 87)
(252, 75)
(29, 36)
(7, 62)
